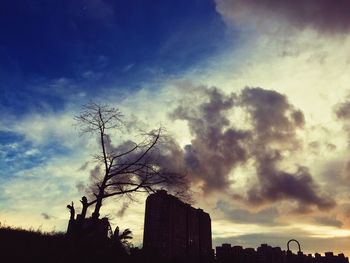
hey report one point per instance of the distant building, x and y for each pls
(174, 229)
(224, 252)
(267, 254)
(236, 254)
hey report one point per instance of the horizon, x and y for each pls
(214, 248)
(253, 98)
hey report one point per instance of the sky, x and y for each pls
(255, 94)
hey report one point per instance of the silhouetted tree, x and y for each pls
(126, 169)
(71, 210)
(121, 241)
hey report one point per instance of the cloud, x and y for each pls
(278, 185)
(44, 128)
(122, 210)
(154, 166)
(343, 110)
(39, 189)
(219, 146)
(216, 148)
(46, 216)
(328, 221)
(265, 216)
(324, 16)
(276, 123)
(83, 167)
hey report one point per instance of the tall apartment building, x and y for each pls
(174, 229)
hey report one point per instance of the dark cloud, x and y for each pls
(81, 187)
(346, 171)
(276, 123)
(329, 221)
(46, 216)
(83, 167)
(345, 214)
(163, 162)
(272, 115)
(315, 146)
(216, 147)
(331, 147)
(325, 16)
(219, 146)
(342, 110)
(265, 216)
(277, 185)
(122, 210)
(302, 209)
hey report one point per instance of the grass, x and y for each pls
(34, 245)
(21, 245)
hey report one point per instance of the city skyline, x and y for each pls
(253, 96)
(266, 253)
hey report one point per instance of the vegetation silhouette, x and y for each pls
(121, 241)
(123, 170)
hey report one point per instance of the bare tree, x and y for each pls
(126, 169)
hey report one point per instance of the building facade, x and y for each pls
(174, 229)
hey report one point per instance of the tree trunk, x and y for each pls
(85, 206)
(96, 213)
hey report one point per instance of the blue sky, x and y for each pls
(245, 78)
(55, 52)
(99, 43)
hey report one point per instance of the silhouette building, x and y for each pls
(174, 229)
(267, 254)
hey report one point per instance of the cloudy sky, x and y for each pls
(256, 95)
